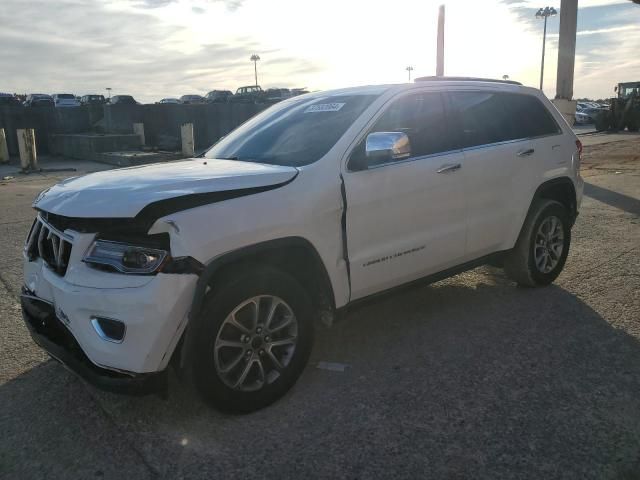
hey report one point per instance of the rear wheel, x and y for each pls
(253, 339)
(601, 122)
(542, 247)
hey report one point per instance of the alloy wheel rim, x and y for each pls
(256, 343)
(549, 244)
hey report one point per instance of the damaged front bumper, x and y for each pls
(52, 335)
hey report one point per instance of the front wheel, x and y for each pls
(253, 340)
(542, 247)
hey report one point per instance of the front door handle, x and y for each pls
(525, 153)
(449, 168)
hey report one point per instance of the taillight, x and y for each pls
(579, 145)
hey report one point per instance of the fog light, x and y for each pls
(109, 329)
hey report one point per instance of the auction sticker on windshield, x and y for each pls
(324, 107)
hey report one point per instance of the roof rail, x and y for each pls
(464, 79)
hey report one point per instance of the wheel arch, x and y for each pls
(560, 189)
(285, 253)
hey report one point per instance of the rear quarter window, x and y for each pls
(483, 117)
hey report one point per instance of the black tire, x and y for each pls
(520, 263)
(218, 305)
(601, 122)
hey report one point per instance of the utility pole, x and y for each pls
(545, 13)
(566, 60)
(440, 43)
(409, 69)
(567, 48)
(254, 58)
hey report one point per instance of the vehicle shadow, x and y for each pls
(613, 198)
(468, 377)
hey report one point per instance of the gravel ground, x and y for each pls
(466, 378)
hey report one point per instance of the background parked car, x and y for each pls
(249, 94)
(298, 91)
(582, 118)
(218, 96)
(92, 99)
(170, 100)
(592, 113)
(191, 99)
(275, 95)
(8, 99)
(123, 100)
(38, 100)
(62, 100)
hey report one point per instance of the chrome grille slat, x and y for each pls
(50, 244)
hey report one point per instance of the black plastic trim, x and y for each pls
(215, 265)
(54, 337)
(182, 265)
(436, 277)
(573, 210)
(230, 257)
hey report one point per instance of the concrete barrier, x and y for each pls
(138, 129)
(4, 151)
(162, 122)
(89, 146)
(186, 135)
(27, 148)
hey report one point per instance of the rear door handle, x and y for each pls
(449, 168)
(525, 153)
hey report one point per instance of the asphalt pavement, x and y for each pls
(470, 377)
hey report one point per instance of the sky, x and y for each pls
(153, 49)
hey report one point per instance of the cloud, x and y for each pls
(93, 46)
(230, 4)
(606, 44)
(151, 3)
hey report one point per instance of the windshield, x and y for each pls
(66, 96)
(293, 133)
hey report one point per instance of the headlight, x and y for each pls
(124, 257)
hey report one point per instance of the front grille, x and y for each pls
(50, 244)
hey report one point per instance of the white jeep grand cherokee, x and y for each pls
(219, 265)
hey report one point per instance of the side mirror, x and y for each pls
(387, 146)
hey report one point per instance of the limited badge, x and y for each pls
(324, 107)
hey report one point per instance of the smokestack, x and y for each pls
(440, 52)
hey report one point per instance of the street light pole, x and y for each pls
(545, 13)
(409, 69)
(254, 58)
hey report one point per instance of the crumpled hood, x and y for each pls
(124, 192)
